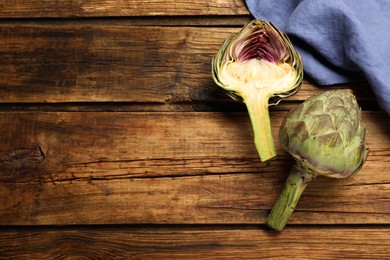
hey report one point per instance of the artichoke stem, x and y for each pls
(289, 197)
(262, 131)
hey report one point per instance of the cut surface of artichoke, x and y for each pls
(243, 77)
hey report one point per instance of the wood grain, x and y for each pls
(199, 243)
(107, 8)
(163, 68)
(104, 153)
(106, 168)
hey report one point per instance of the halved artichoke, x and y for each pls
(256, 65)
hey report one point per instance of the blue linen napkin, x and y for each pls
(339, 40)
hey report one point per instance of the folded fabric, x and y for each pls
(340, 40)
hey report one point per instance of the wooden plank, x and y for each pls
(106, 8)
(167, 67)
(178, 21)
(148, 144)
(201, 243)
(102, 168)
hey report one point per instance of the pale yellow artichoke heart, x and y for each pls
(271, 77)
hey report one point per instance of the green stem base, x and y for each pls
(257, 106)
(289, 197)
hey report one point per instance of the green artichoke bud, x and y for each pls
(325, 137)
(260, 67)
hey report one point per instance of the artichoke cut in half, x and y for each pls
(260, 67)
(325, 137)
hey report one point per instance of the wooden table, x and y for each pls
(116, 143)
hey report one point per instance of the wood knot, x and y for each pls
(17, 162)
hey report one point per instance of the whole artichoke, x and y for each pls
(325, 137)
(257, 64)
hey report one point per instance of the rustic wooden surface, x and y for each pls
(115, 142)
(216, 242)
